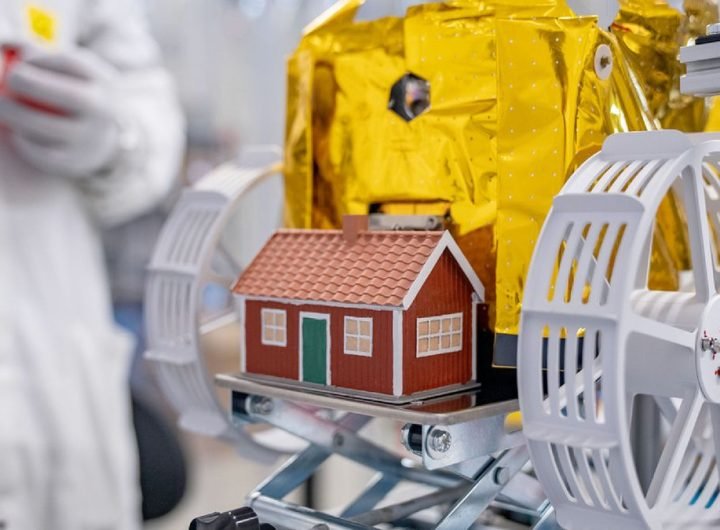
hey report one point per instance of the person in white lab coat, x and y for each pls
(108, 151)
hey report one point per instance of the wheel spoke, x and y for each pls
(712, 201)
(715, 423)
(667, 408)
(696, 211)
(218, 321)
(677, 337)
(675, 447)
(219, 279)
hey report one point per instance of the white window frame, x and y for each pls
(439, 335)
(263, 326)
(357, 336)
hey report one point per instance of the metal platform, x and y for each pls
(450, 409)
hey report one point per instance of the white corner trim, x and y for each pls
(398, 374)
(473, 342)
(240, 309)
(472, 277)
(291, 301)
(446, 242)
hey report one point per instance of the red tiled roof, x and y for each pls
(319, 265)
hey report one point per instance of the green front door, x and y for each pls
(314, 349)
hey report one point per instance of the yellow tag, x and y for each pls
(42, 23)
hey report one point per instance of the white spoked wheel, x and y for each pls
(190, 266)
(594, 337)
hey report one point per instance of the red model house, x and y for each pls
(385, 315)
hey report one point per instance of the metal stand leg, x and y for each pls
(487, 486)
(547, 521)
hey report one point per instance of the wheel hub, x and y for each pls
(708, 351)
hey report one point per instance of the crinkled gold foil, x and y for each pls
(553, 112)
(650, 34)
(515, 106)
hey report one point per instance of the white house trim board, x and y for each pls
(473, 340)
(397, 368)
(446, 243)
(240, 308)
(317, 316)
(290, 301)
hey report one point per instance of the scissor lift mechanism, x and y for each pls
(467, 455)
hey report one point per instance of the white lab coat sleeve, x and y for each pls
(149, 116)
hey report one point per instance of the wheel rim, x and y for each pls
(184, 263)
(592, 333)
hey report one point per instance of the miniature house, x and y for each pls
(384, 315)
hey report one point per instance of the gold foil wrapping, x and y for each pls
(516, 104)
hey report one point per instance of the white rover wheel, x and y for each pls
(183, 266)
(593, 336)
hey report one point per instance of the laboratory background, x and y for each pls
(355, 264)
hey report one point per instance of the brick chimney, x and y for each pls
(353, 225)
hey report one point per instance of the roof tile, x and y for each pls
(319, 265)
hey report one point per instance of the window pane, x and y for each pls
(351, 326)
(434, 344)
(423, 328)
(456, 323)
(268, 335)
(445, 325)
(365, 328)
(364, 345)
(445, 342)
(267, 318)
(434, 326)
(351, 343)
(422, 346)
(280, 335)
(280, 319)
(456, 340)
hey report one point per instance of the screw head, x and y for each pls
(715, 346)
(705, 343)
(501, 476)
(261, 405)
(439, 441)
(710, 344)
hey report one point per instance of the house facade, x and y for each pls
(383, 314)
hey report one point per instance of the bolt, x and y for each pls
(412, 438)
(338, 439)
(710, 344)
(502, 476)
(439, 441)
(261, 405)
